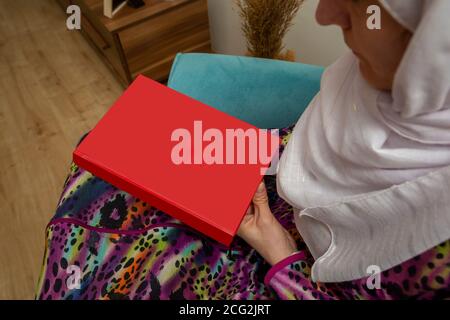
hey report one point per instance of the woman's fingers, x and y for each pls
(258, 208)
(261, 201)
(260, 196)
(261, 230)
(249, 216)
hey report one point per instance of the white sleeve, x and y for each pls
(383, 228)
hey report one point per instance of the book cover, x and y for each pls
(191, 161)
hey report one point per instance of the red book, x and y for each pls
(176, 153)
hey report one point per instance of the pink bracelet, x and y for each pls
(282, 264)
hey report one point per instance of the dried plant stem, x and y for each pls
(265, 24)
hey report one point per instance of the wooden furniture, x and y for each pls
(145, 40)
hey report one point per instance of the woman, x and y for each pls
(369, 160)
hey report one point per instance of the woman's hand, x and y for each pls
(261, 230)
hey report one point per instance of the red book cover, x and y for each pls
(183, 157)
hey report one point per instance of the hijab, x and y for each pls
(369, 171)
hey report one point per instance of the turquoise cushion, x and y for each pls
(265, 93)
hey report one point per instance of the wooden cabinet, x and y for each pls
(145, 40)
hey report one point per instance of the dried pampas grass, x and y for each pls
(265, 24)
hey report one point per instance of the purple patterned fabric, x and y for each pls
(105, 244)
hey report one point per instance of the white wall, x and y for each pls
(312, 43)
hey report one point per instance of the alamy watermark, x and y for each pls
(73, 22)
(214, 146)
(373, 282)
(73, 282)
(374, 20)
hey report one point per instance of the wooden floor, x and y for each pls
(53, 88)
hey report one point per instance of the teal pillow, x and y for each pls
(265, 93)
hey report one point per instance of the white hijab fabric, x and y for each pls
(372, 169)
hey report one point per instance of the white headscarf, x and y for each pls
(370, 167)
